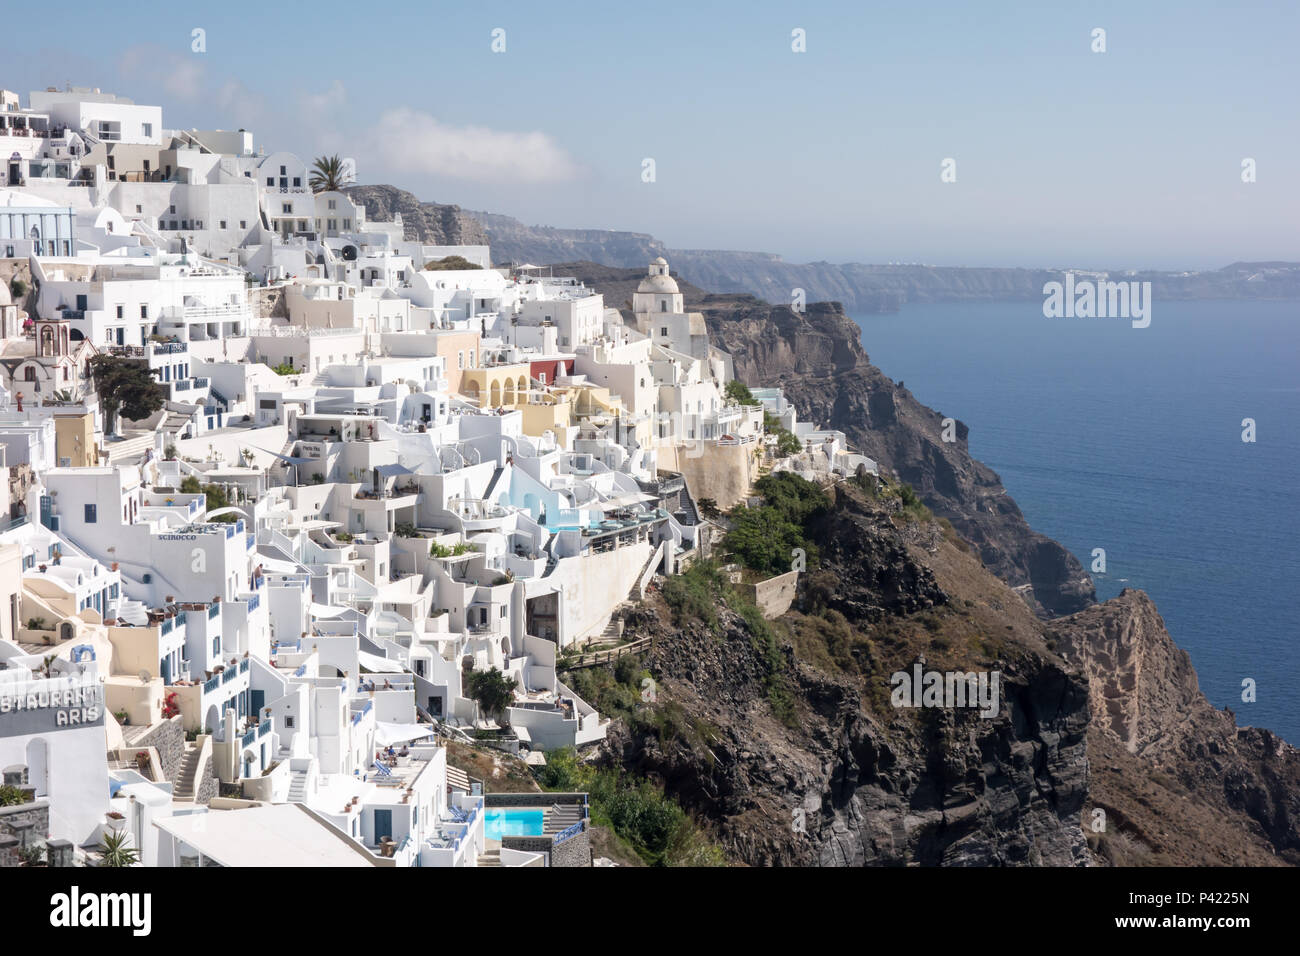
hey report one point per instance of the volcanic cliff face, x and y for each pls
(818, 359)
(1239, 786)
(850, 781)
(1103, 750)
(432, 223)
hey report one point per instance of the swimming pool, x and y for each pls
(512, 822)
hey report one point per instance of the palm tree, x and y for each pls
(328, 174)
(114, 851)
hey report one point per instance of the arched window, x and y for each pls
(29, 373)
(663, 305)
(47, 341)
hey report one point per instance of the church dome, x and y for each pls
(659, 285)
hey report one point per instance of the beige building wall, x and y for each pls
(724, 473)
(74, 439)
(501, 385)
(462, 352)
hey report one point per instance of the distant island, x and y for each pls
(859, 287)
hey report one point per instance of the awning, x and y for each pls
(387, 471)
(379, 665)
(625, 500)
(386, 734)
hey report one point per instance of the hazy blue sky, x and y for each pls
(1130, 157)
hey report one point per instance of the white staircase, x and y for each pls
(298, 787)
(186, 777)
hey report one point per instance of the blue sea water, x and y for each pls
(1130, 440)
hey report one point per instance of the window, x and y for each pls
(91, 516)
(139, 209)
(297, 181)
(286, 208)
(332, 203)
(288, 721)
(270, 180)
(147, 130)
(221, 223)
(144, 311)
(119, 312)
(347, 223)
(663, 305)
(460, 359)
(171, 210)
(283, 170)
(243, 224)
(663, 330)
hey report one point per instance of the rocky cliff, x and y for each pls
(1103, 751)
(844, 779)
(435, 224)
(1209, 783)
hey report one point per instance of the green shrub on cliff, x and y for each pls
(641, 813)
(765, 538)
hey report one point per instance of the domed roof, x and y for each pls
(661, 261)
(662, 285)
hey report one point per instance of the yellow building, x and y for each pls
(498, 386)
(74, 440)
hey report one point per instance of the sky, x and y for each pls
(1128, 158)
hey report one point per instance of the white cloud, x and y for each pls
(180, 76)
(409, 141)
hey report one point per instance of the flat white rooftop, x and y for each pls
(279, 835)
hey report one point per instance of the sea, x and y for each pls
(1132, 441)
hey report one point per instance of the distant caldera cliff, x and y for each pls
(859, 287)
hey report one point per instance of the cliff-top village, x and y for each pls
(386, 481)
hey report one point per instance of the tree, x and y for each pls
(328, 174)
(739, 393)
(114, 851)
(492, 689)
(450, 262)
(125, 386)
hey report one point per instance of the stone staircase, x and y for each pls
(129, 448)
(298, 787)
(561, 818)
(186, 777)
(490, 858)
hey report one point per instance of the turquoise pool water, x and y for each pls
(499, 823)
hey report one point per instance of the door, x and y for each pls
(383, 825)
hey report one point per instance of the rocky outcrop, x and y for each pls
(848, 782)
(435, 224)
(512, 241)
(1144, 696)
